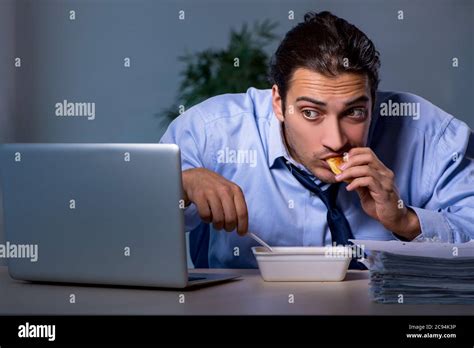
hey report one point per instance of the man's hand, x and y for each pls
(375, 185)
(219, 201)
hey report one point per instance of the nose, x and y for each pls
(333, 136)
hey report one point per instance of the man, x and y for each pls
(256, 161)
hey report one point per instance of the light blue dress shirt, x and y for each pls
(432, 157)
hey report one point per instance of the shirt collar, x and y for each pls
(276, 147)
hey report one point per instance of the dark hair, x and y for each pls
(321, 43)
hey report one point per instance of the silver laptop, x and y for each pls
(97, 214)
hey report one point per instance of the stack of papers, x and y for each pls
(420, 272)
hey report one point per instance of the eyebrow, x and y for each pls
(362, 98)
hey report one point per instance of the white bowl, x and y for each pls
(302, 264)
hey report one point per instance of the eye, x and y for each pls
(310, 114)
(357, 113)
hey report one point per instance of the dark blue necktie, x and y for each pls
(337, 222)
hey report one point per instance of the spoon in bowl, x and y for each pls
(260, 241)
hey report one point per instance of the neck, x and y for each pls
(288, 148)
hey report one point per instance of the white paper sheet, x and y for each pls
(427, 249)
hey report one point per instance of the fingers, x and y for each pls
(361, 162)
(235, 210)
(356, 160)
(362, 155)
(242, 213)
(226, 210)
(203, 208)
(217, 211)
(366, 181)
(230, 214)
(219, 201)
(357, 172)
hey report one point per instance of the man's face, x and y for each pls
(324, 117)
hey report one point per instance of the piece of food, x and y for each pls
(334, 163)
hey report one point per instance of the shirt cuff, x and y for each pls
(191, 217)
(434, 226)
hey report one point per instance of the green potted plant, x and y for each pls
(243, 64)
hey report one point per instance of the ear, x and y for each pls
(277, 103)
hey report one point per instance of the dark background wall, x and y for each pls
(82, 60)
(7, 81)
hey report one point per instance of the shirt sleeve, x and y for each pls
(188, 131)
(448, 215)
